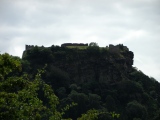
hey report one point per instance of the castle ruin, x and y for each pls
(28, 47)
(117, 48)
(112, 48)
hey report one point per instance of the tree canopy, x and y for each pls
(91, 83)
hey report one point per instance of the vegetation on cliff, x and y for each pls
(99, 80)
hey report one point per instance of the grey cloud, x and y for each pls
(46, 22)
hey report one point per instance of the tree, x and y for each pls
(90, 115)
(19, 96)
(81, 99)
(110, 103)
(93, 44)
(136, 110)
(8, 64)
(94, 101)
(23, 98)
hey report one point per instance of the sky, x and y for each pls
(133, 23)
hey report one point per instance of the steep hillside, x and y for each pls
(100, 64)
(95, 77)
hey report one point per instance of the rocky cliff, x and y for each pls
(109, 64)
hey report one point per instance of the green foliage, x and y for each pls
(90, 115)
(136, 110)
(19, 96)
(81, 99)
(8, 64)
(93, 49)
(129, 90)
(94, 101)
(93, 44)
(110, 103)
(115, 115)
(94, 78)
(57, 77)
(61, 92)
(96, 115)
(23, 102)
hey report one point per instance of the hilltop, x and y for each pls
(79, 59)
(96, 77)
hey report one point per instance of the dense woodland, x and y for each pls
(84, 83)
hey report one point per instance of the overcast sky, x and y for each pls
(133, 23)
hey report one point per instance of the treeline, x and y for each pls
(103, 83)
